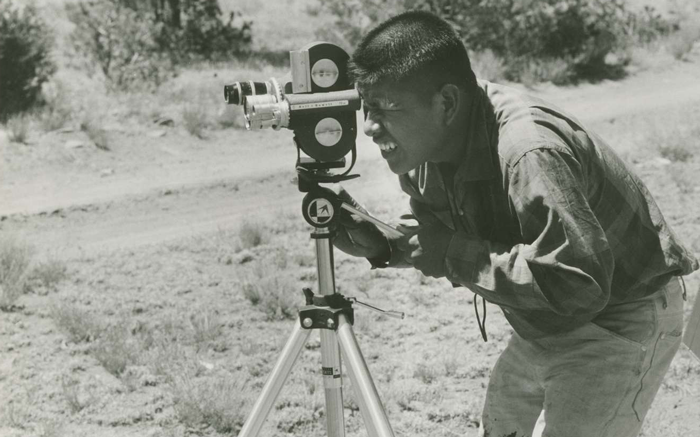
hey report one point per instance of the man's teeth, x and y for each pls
(387, 147)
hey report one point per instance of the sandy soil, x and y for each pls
(121, 218)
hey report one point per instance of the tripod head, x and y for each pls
(321, 206)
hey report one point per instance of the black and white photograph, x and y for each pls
(348, 218)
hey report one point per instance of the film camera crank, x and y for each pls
(318, 103)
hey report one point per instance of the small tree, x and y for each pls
(120, 41)
(25, 58)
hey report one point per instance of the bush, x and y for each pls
(135, 43)
(18, 129)
(15, 258)
(581, 33)
(120, 42)
(206, 34)
(25, 61)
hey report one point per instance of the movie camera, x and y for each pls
(318, 102)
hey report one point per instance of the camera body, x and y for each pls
(318, 102)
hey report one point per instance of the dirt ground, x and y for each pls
(149, 228)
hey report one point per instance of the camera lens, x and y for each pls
(234, 94)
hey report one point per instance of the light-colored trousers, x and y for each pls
(596, 381)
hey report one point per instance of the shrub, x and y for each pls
(78, 324)
(488, 66)
(49, 273)
(580, 33)
(120, 42)
(94, 130)
(139, 43)
(25, 61)
(14, 266)
(195, 119)
(274, 292)
(116, 349)
(18, 128)
(206, 34)
(212, 402)
(681, 42)
(252, 234)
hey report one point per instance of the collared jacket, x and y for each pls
(549, 223)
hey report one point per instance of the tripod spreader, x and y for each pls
(322, 312)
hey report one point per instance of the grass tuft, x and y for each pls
(426, 373)
(195, 118)
(15, 258)
(206, 328)
(676, 142)
(116, 349)
(78, 324)
(71, 393)
(681, 43)
(252, 234)
(209, 401)
(97, 134)
(18, 129)
(270, 290)
(49, 273)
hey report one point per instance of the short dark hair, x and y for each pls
(411, 43)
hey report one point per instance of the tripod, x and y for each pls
(332, 314)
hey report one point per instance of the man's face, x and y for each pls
(405, 123)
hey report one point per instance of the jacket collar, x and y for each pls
(478, 162)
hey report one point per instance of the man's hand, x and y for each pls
(425, 247)
(357, 237)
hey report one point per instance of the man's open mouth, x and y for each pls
(387, 147)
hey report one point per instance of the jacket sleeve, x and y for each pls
(565, 264)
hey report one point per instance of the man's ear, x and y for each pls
(451, 99)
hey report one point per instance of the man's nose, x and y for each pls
(371, 125)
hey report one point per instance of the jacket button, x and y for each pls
(461, 212)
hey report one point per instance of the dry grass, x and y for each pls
(93, 128)
(252, 234)
(58, 110)
(79, 324)
(677, 143)
(115, 349)
(681, 43)
(210, 401)
(15, 258)
(556, 71)
(195, 118)
(275, 293)
(206, 328)
(49, 273)
(70, 388)
(488, 66)
(18, 129)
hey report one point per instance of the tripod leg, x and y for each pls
(275, 381)
(332, 384)
(330, 351)
(371, 407)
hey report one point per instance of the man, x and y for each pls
(520, 203)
